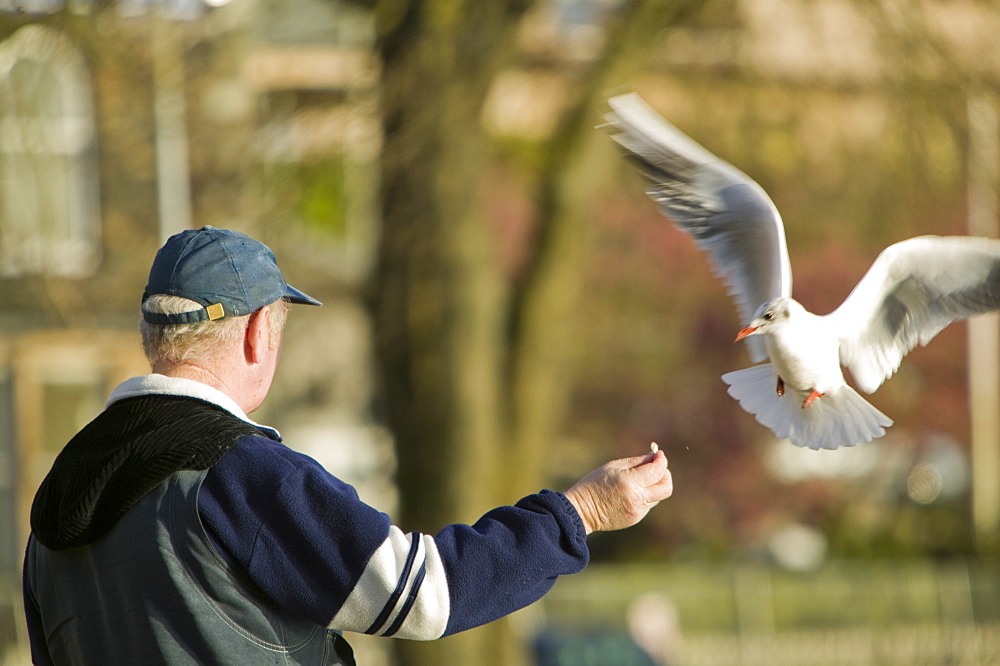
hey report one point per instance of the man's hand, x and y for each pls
(620, 493)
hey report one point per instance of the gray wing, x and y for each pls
(728, 214)
(913, 290)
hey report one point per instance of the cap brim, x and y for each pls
(296, 296)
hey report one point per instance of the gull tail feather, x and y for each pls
(840, 418)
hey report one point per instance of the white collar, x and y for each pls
(156, 384)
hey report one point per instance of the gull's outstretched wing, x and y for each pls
(913, 290)
(727, 213)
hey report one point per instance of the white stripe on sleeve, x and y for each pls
(403, 591)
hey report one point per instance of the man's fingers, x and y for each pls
(662, 489)
(649, 470)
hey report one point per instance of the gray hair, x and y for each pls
(199, 341)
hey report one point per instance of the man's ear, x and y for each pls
(257, 340)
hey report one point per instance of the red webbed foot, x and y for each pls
(812, 398)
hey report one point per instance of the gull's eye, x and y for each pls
(768, 316)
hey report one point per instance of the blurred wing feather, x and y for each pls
(728, 214)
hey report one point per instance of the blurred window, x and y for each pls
(48, 170)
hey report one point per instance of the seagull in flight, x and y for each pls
(914, 289)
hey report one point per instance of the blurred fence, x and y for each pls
(915, 645)
(857, 613)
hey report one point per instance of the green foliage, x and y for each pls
(321, 202)
(312, 192)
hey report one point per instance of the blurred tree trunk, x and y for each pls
(440, 298)
(475, 372)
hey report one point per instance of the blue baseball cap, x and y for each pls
(228, 272)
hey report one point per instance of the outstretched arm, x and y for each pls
(312, 546)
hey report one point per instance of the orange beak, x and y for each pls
(745, 332)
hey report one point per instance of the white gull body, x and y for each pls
(914, 289)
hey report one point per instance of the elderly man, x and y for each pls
(174, 529)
